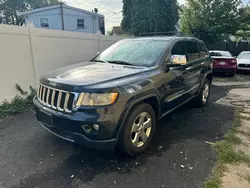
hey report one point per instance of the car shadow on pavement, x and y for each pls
(178, 156)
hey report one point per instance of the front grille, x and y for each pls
(244, 65)
(56, 99)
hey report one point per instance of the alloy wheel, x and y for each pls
(205, 93)
(141, 129)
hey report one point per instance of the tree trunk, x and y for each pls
(12, 20)
(17, 19)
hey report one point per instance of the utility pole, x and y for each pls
(62, 19)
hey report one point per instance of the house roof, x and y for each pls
(118, 30)
(58, 6)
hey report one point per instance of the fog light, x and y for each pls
(87, 128)
(96, 127)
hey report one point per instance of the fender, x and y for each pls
(127, 110)
(205, 77)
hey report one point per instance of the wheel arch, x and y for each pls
(209, 76)
(152, 99)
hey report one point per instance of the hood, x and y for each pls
(94, 74)
(243, 61)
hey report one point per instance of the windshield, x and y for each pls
(134, 52)
(221, 53)
(244, 55)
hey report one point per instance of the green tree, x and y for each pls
(244, 18)
(11, 8)
(143, 16)
(210, 20)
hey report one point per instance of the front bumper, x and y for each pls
(69, 126)
(243, 68)
(80, 138)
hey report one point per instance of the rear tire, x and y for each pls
(135, 137)
(202, 99)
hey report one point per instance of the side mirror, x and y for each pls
(175, 61)
(178, 60)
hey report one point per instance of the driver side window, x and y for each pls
(179, 49)
(178, 54)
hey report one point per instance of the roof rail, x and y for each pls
(169, 33)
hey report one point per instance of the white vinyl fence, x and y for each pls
(27, 52)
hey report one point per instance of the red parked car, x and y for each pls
(223, 62)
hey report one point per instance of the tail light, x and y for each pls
(233, 62)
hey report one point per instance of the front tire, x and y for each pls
(138, 131)
(202, 99)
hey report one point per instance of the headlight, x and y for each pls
(96, 99)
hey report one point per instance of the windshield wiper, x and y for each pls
(98, 60)
(121, 63)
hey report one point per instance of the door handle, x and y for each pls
(179, 81)
(189, 68)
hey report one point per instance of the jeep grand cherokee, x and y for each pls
(115, 100)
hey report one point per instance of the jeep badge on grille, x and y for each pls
(52, 84)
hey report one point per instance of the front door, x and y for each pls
(175, 85)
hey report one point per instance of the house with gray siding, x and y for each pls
(64, 17)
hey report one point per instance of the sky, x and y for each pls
(111, 9)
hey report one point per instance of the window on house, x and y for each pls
(44, 22)
(80, 23)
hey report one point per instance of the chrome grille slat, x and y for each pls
(66, 101)
(40, 93)
(60, 100)
(53, 99)
(44, 90)
(47, 98)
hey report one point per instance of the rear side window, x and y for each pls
(204, 51)
(179, 49)
(193, 51)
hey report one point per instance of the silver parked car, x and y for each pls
(243, 60)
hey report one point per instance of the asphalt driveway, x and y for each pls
(31, 157)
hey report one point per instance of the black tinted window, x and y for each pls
(193, 52)
(204, 51)
(179, 49)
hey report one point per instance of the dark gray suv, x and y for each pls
(116, 99)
